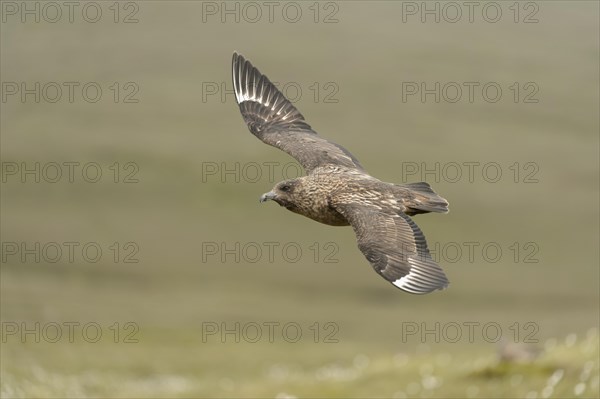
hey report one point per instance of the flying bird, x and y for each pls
(337, 190)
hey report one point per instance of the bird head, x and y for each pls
(283, 193)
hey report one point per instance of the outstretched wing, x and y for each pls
(273, 119)
(395, 247)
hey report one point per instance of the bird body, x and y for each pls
(337, 190)
(313, 195)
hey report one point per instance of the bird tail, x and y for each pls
(422, 199)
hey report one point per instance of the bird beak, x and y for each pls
(267, 196)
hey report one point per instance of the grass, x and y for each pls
(186, 367)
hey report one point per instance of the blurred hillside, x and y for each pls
(140, 204)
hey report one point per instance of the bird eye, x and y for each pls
(285, 188)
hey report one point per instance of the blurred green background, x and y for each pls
(347, 65)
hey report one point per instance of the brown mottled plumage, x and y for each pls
(337, 190)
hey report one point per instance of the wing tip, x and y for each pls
(260, 101)
(237, 55)
(237, 66)
(246, 79)
(237, 59)
(420, 291)
(416, 285)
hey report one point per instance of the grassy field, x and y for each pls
(200, 291)
(179, 367)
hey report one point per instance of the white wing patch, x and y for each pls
(420, 279)
(247, 88)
